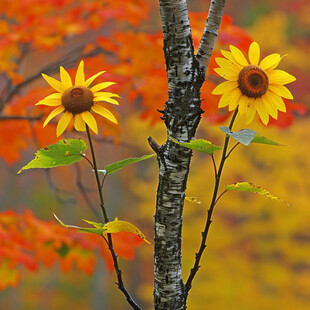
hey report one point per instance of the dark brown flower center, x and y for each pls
(77, 99)
(253, 81)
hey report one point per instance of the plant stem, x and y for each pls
(106, 219)
(120, 282)
(203, 245)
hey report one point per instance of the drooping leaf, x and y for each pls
(249, 187)
(123, 163)
(263, 140)
(243, 136)
(119, 226)
(63, 153)
(199, 145)
(109, 228)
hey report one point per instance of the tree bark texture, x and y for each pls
(181, 115)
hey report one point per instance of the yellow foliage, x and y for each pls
(258, 250)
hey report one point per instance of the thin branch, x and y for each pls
(203, 245)
(214, 165)
(218, 198)
(68, 60)
(20, 117)
(83, 191)
(210, 32)
(91, 164)
(232, 149)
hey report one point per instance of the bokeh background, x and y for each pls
(258, 253)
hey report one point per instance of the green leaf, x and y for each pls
(63, 153)
(123, 163)
(243, 136)
(260, 139)
(249, 187)
(199, 145)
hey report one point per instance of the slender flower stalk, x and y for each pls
(214, 200)
(109, 240)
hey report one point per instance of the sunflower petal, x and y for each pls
(227, 64)
(281, 90)
(92, 78)
(250, 112)
(54, 83)
(101, 86)
(79, 123)
(110, 100)
(270, 61)
(234, 99)
(90, 121)
(104, 112)
(276, 100)
(52, 96)
(270, 108)
(261, 110)
(231, 58)
(280, 77)
(80, 77)
(224, 101)
(254, 53)
(53, 114)
(225, 87)
(51, 100)
(243, 102)
(228, 75)
(106, 94)
(63, 123)
(50, 103)
(65, 78)
(238, 55)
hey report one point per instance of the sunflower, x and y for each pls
(253, 86)
(77, 101)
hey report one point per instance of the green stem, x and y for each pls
(106, 219)
(214, 200)
(120, 282)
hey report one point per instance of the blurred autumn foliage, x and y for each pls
(258, 251)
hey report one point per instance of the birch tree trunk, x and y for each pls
(182, 113)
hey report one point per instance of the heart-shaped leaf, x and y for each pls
(64, 152)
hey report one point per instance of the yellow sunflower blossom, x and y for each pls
(78, 101)
(253, 86)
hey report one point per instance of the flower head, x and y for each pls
(77, 101)
(253, 86)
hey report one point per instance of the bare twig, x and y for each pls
(232, 149)
(83, 191)
(20, 117)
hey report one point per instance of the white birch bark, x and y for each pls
(181, 116)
